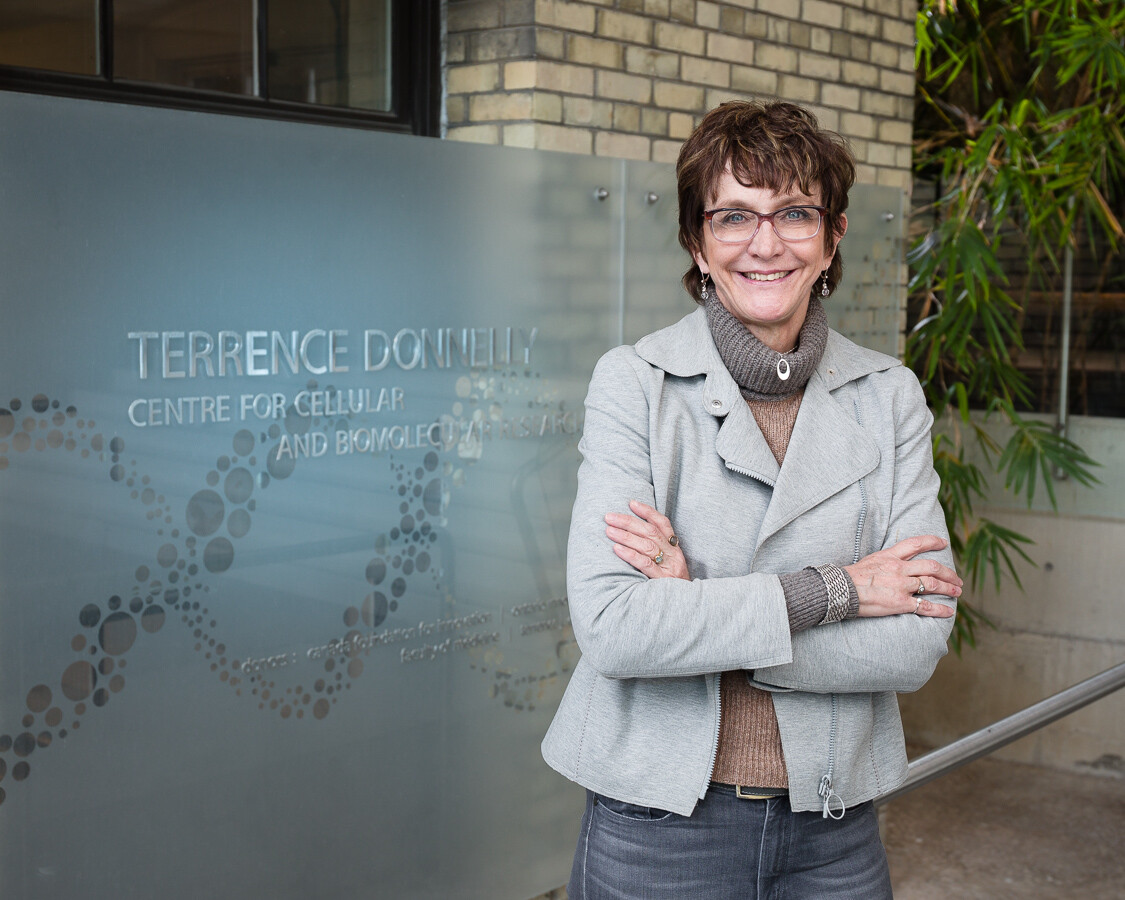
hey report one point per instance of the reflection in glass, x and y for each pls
(60, 35)
(331, 52)
(205, 45)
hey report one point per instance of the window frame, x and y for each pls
(415, 82)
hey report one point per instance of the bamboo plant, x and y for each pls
(1020, 122)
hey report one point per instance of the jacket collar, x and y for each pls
(828, 449)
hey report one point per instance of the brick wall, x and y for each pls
(630, 78)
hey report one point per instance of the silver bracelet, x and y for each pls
(839, 598)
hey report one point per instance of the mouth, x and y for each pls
(766, 276)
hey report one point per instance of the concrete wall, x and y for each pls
(1068, 624)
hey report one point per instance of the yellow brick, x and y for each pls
(707, 15)
(886, 55)
(860, 74)
(896, 132)
(857, 125)
(564, 14)
(550, 44)
(771, 56)
(624, 27)
(680, 38)
(879, 154)
(673, 95)
(680, 125)
(475, 134)
(520, 135)
(798, 90)
(656, 8)
(487, 107)
(828, 118)
(560, 137)
(588, 112)
(861, 23)
(666, 151)
(879, 104)
(682, 10)
(895, 178)
(754, 81)
(820, 40)
(838, 95)
(546, 107)
(473, 79)
(827, 15)
(594, 52)
(626, 117)
(473, 16)
(897, 82)
(898, 32)
(622, 146)
(735, 49)
(705, 71)
(812, 65)
(520, 74)
(785, 8)
(646, 61)
(619, 86)
(654, 121)
(566, 79)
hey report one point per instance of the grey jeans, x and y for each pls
(727, 849)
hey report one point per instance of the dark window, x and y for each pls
(370, 63)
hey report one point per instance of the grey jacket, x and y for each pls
(666, 424)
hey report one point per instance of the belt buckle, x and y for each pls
(742, 792)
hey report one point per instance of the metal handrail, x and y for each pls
(980, 743)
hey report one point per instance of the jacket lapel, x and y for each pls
(828, 451)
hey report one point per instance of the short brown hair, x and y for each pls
(773, 145)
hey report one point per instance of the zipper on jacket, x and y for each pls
(863, 498)
(748, 474)
(715, 739)
(825, 791)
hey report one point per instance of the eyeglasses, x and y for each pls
(793, 223)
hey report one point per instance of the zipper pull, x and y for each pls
(826, 793)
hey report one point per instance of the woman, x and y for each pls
(782, 569)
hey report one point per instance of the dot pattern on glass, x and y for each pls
(204, 545)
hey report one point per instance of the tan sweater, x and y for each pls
(749, 741)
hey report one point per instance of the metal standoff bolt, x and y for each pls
(651, 197)
(601, 193)
(888, 217)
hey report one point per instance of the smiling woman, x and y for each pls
(757, 559)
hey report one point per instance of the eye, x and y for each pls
(734, 217)
(797, 214)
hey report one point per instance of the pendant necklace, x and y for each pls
(783, 370)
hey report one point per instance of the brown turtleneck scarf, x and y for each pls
(749, 741)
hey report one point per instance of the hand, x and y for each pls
(642, 538)
(892, 582)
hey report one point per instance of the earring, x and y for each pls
(703, 287)
(824, 286)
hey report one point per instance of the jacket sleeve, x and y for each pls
(888, 653)
(626, 625)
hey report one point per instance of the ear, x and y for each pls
(837, 237)
(701, 261)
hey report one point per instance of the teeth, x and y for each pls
(773, 276)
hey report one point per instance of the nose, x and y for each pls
(765, 241)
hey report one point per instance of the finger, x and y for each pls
(639, 561)
(638, 542)
(660, 521)
(911, 547)
(935, 569)
(934, 585)
(933, 610)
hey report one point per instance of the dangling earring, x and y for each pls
(703, 287)
(824, 287)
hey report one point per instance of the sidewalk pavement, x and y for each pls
(995, 830)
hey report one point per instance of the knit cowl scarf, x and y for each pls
(753, 365)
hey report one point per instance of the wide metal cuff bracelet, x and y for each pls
(839, 597)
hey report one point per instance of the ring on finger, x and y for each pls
(917, 603)
(921, 587)
(673, 540)
(659, 558)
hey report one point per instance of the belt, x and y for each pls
(749, 792)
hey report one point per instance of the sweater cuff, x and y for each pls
(806, 598)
